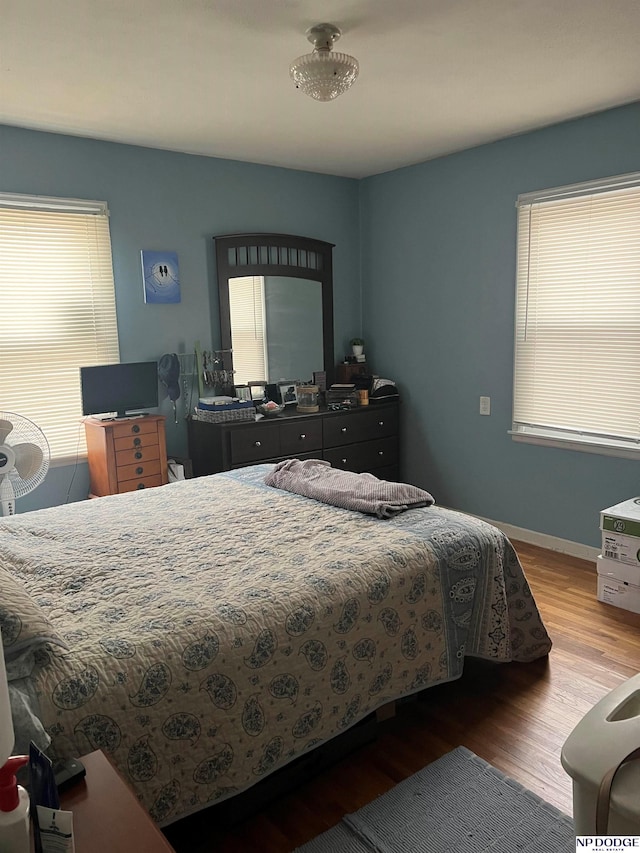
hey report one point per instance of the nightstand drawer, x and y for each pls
(139, 483)
(129, 442)
(139, 426)
(140, 469)
(359, 426)
(300, 437)
(366, 456)
(135, 455)
(254, 444)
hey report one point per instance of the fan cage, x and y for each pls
(25, 431)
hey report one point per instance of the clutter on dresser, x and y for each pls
(212, 370)
(383, 390)
(270, 409)
(362, 389)
(308, 399)
(243, 392)
(342, 395)
(258, 390)
(320, 379)
(357, 350)
(347, 371)
(223, 408)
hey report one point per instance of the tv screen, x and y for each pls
(119, 388)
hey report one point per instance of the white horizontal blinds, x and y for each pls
(577, 354)
(246, 303)
(57, 310)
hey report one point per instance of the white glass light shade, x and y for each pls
(324, 74)
(7, 737)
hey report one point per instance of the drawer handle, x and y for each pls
(344, 461)
(139, 470)
(381, 453)
(344, 429)
(257, 444)
(380, 423)
(302, 436)
(135, 428)
(137, 455)
(140, 486)
(137, 442)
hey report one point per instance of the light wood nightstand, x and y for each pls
(126, 455)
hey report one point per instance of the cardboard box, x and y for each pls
(616, 570)
(622, 518)
(618, 593)
(622, 549)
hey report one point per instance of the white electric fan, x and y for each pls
(24, 459)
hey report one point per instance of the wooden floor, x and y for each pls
(516, 716)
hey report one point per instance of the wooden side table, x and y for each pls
(107, 816)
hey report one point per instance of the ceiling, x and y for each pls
(211, 76)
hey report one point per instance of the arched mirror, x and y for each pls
(276, 306)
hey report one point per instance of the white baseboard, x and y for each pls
(552, 543)
(543, 540)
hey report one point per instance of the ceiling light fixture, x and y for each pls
(324, 74)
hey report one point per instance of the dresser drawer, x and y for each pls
(366, 437)
(254, 444)
(365, 456)
(314, 454)
(140, 483)
(389, 472)
(360, 426)
(300, 437)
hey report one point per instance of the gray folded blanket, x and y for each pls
(315, 478)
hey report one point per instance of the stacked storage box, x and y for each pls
(619, 563)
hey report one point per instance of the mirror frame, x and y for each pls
(279, 255)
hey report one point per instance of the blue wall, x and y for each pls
(163, 200)
(438, 278)
(433, 248)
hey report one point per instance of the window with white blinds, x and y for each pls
(577, 330)
(57, 311)
(248, 316)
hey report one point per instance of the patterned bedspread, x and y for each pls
(216, 628)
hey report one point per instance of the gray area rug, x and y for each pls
(457, 804)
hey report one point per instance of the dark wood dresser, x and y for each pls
(360, 439)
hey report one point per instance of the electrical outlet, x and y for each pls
(485, 405)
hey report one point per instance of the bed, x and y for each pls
(208, 632)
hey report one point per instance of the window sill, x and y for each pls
(584, 444)
(66, 461)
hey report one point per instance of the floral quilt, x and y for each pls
(207, 632)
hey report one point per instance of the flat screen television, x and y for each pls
(119, 388)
